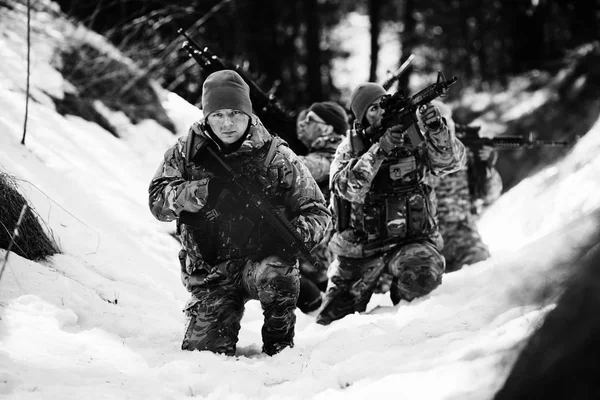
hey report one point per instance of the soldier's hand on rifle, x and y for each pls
(488, 154)
(220, 192)
(392, 138)
(431, 117)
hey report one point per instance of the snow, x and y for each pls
(103, 320)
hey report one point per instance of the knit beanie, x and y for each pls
(225, 89)
(333, 114)
(363, 96)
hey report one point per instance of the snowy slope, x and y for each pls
(103, 320)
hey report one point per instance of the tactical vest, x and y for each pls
(398, 204)
(232, 228)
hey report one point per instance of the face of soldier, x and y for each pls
(374, 112)
(229, 125)
(314, 127)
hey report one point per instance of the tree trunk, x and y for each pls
(465, 12)
(375, 20)
(313, 50)
(478, 43)
(407, 40)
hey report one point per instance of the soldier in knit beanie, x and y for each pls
(223, 199)
(225, 90)
(333, 114)
(227, 109)
(322, 119)
(362, 97)
(323, 129)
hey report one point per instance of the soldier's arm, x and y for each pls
(351, 177)
(318, 163)
(446, 153)
(493, 186)
(169, 193)
(304, 198)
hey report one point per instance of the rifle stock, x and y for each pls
(273, 115)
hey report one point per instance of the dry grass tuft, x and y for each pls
(100, 74)
(33, 242)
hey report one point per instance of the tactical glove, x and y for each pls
(392, 139)
(431, 117)
(488, 154)
(220, 192)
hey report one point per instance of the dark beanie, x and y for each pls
(333, 114)
(225, 90)
(363, 96)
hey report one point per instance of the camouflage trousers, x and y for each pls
(462, 244)
(416, 269)
(313, 279)
(217, 305)
(321, 253)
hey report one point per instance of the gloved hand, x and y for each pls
(392, 139)
(220, 192)
(431, 117)
(488, 154)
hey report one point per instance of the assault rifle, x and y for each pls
(401, 110)
(246, 189)
(477, 174)
(396, 75)
(273, 115)
(469, 135)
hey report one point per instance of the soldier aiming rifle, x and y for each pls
(463, 194)
(385, 213)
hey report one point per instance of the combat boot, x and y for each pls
(275, 348)
(338, 303)
(310, 297)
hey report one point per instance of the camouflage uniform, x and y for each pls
(229, 255)
(390, 220)
(458, 210)
(318, 161)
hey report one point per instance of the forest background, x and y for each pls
(289, 49)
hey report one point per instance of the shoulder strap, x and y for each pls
(193, 144)
(275, 143)
(189, 146)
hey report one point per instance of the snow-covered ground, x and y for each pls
(103, 320)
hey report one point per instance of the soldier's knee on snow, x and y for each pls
(417, 269)
(277, 280)
(414, 255)
(273, 266)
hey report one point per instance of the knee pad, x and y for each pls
(277, 281)
(413, 255)
(417, 269)
(310, 297)
(276, 267)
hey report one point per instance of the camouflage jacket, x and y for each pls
(353, 176)
(455, 202)
(181, 185)
(319, 159)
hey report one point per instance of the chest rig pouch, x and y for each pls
(398, 205)
(233, 228)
